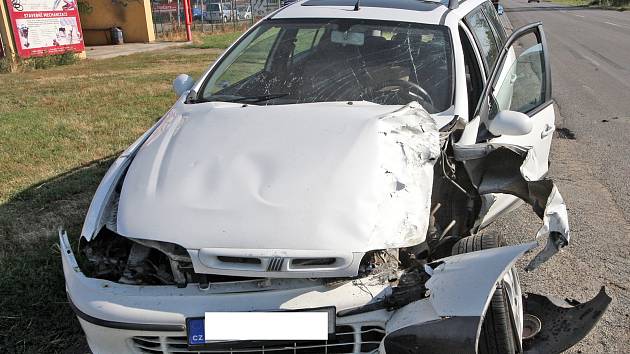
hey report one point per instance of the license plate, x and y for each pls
(300, 325)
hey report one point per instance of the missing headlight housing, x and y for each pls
(131, 261)
(113, 257)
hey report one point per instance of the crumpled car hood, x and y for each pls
(325, 176)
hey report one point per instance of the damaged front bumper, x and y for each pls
(120, 318)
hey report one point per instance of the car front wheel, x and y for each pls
(497, 330)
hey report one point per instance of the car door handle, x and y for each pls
(548, 130)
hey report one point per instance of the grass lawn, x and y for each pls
(217, 40)
(618, 4)
(573, 2)
(59, 130)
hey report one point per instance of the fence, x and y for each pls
(209, 16)
(614, 3)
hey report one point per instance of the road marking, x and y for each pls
(593, 61)
(579, 16)
(616, 25)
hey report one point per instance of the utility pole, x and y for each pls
(188, 19)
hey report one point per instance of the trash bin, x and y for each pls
(117, 35)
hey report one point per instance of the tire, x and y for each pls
(497, 334)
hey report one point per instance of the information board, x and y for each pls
(45, 27)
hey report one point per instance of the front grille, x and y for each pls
(349, 339)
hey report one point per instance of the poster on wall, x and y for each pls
(45, 27)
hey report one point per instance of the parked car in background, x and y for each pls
(323, 188)
(244, 12)
(219, 12)
(197, 14)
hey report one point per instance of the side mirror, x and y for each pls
(510, 123)
(182, 83)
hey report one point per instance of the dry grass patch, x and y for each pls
(59, 131)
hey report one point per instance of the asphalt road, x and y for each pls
(590, 58)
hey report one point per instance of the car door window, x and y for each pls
(474, 78)
(493, 17)
(522, 86)
(306, 39)
(484, 36)
(521, 80)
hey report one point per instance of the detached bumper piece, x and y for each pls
(563, 323)
(451, 335)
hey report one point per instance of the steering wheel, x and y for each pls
(408, 90)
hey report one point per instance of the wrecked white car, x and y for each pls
(322, 188)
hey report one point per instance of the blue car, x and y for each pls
(196, 14)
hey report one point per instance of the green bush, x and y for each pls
(49, 61)
(35, 63)
(613, 3)
(5, 65)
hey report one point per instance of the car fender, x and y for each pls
(460, 290)
(101, 204)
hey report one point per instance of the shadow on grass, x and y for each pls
(34, 312)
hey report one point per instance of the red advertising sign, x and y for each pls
(45, 27)
(172, 7)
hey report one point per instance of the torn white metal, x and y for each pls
(505, 168)
(478, 272)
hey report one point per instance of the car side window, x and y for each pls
(493, 17)
(250, 62)
(484, 36)
(522, 87)
(306, 39)
(474, 78)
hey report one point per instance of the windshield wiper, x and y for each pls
(238, 99)
(256, 99)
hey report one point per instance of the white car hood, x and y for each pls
(313, 177)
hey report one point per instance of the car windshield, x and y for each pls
(213, 7)
(305, 61)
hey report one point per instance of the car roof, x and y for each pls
(417, 5)
(415, 11)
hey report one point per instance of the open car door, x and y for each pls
(517, 98)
